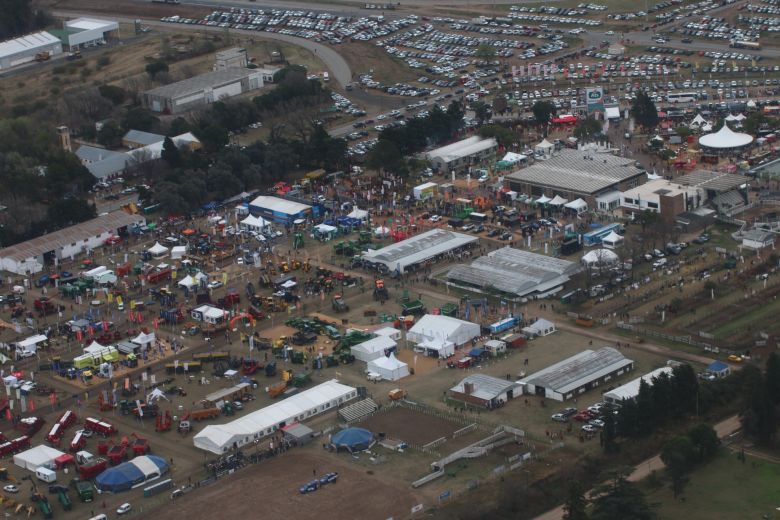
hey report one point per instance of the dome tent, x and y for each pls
(352, 439)
(129, 474)
(600, 257)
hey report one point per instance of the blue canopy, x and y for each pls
(717, 366)
(476, 352)
(353, 439)
(128, 474)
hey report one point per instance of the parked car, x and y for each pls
(559, 417)
(11, 488)
(124, 508)
(583, 416)
(588, 428)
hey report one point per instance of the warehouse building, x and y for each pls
(484, 390)
(32, 255)
(88, 32)
(597, 178)
(219, 438)
(514, 274)
(419, 250)
(631, 389)
(280, 211)
(661, 196)
(24, 48)
(576, 375)
(458, 156)
(201, 90)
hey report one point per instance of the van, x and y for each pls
(659, 263)
(45, 474)
(101, 516)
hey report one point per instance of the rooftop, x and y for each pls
(631, 389)
(514, 271)
(94, 153)
(579, 171)
(653, 190)
(65, 237)
(485, 387)
(709, 180)
(28, 42)
(278, 205)
(142, 138)
(463, 148)
(573, 372)
(196, 84)
(419, 248)
(88, 24)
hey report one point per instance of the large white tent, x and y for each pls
(191, 281)
(389, 368)
(544, 199)
(600, 257)
(513, 158)
(253, 223)
(545, 147)
(36, 457)
(698, 121)
(373, 348)
(439, 334)
(359, 214)
(158, 250)
(558, 201)
(725, 138)
(219, 438)
(143, 339)
(577, 205)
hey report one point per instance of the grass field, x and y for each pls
(724, 489)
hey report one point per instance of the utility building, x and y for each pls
(24, 49)
(201, 90)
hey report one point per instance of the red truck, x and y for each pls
(58, 430)
(156, 277)
(116, 454)
(92, 469)
(45, 306)
(78, 442)
(98, 426)
(20, 443)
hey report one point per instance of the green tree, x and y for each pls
(753, 123)
(386, 156)
(68, 211)
(575, 506)
(500, 104)
(644, 401)
(170, 153)
(773, 378)
(502, 134)
(643, 110)
(213, 137)
(620, 499)
(156, 67)
(543, 111)
(481, 111)
(587, 128)
(179, 126)
(136, 118)
(705, 441)
(608, 434)
(485, 52)
(110, 134)
(679, 455)
(116, 95)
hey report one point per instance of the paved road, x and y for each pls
(644, 468)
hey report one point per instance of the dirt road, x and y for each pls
(644, 468)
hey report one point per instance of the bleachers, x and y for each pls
(358, 410)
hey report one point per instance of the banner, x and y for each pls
(594, 99)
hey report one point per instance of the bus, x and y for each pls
(739, 44)
(478, 217)
(681, 97)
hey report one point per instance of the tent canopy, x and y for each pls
(32, 340)
(558, 201)
(359, 214)
(36, 457)
(143, 339)
(513, 158)
(382, 231)
(725, 138)
(129, 474)
(600, 256)
(698, 120)
(389, 367)
(612, 237)
(544, 145)
(325, 228)
(578, 205)
(353, 439)
(544, 199)
(158, 249)
(254, 222)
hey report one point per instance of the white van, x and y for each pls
(101, 516)
(45, 474)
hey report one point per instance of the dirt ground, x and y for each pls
(274, 491)
(410, 426)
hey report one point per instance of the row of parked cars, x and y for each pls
(593, 416)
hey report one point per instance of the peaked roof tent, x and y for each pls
(725, 138)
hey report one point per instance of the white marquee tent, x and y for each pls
(382, 231)
(725, 138)
(359, 214)
(578, 205)
(145, 340)
(698, 121)
(544, 199)
(440, 334)
(600, 257)
(513, 158)
(389, 368)
(158, 250)
(191, 281)
(219, 438)
(546, 147)
(612, 240)
(36, 457)
(558, 201)
(254, 223)
(373, 348)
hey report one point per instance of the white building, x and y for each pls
(758, 239)
(208, 314)
(88, 32)
(24, 48)
(649, 196)
(219, 438)
(631, 389)
(373, 348)
(457, 156)
(417, 250)
(438, 335)
(32, 255)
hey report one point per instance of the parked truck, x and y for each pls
(84, 490)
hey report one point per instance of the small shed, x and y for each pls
(719, 369)
(297, 434)
(758, 239)
(495, 347)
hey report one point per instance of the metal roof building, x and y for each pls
(631, 389)
(32, 255)
(456, 155)
(281, 211)
(576, 174)
(85, 32)
(24, 48)
(513, 273)
(418, 249)
(201, 90)
(485, 390)
(578, 374)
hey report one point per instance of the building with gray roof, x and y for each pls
(91, 154)
(201, 90)
(574, 174)
(576, 375)
(418, 249)
(137, 138)
(458, 155)
(513, 274)
(485, 390)
(24, 48)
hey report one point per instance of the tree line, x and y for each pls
(20, 18)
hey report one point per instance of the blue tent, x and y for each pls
(719, 368)
(477, 352)
(352, 439)
(129, 474)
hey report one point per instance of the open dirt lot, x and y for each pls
(410, 426)
(274, 490)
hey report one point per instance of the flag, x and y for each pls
(32, 405)
(140, 410)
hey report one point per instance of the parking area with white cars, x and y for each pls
(714, 28)
(317, 26)
(760, 23)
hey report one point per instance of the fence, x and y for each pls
(688, 340)
(463, 431)
(435, 443)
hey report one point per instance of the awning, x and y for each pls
(558, 201)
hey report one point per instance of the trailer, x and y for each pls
(116, 454)
(200, 415)
(30, 425)
(78, 442)
(93, 468)
(98, 426)
(84, 490)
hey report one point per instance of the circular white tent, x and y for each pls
(725, 138)
(600, 257)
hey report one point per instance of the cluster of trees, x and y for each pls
(20, 18)
(43, 187)
(643, 110)
(683, 453)
(396, 143)
(762, 397)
